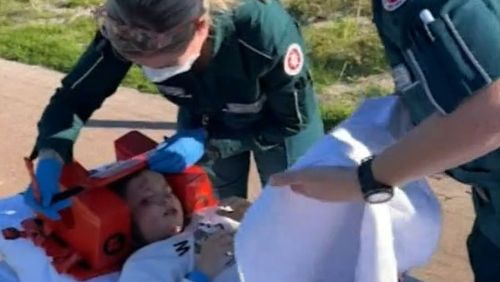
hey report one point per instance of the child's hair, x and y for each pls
(120, 188)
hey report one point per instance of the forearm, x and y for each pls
(444, 142)
(95, 77)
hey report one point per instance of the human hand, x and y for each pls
(216, 253)
(325, 183)
(47, 175)
(181, 151)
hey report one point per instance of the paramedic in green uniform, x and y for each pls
(445, 57)
(235, 68)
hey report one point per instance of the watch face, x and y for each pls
(379, 197)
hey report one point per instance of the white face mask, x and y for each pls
(162, 74)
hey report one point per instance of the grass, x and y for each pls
(343, 50)
(82, 3)
(308, 11)
(338, 105)
(333, 114)
(51, 45)
(56, 45)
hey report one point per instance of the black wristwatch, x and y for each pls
(373, 191)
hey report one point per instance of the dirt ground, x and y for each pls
(25, 90)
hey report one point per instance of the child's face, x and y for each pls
(156, 211)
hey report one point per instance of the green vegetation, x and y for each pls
(344, 50)
(81, 3)
(308, 11)
(53, 36)
(51, 45)
(333, 114)
(343, 46)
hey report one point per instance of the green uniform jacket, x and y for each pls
(439, 58)
(257, 87)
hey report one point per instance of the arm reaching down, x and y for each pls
(95, 77)
(436, 145)
(444, 142)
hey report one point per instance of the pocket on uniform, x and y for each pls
(454, 53)
(475, 27)
(419, 105)
(470, 30)
(242, 115)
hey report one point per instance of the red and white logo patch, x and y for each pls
(391, 5)
(294, 60)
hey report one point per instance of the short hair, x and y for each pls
(120, 188)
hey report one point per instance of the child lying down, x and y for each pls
(284, 236)
(196, 249)
(171, 247)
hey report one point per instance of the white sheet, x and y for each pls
(287, 237)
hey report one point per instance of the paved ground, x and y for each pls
(24, 91)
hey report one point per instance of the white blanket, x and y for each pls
(287, 237)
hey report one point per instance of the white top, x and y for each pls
(173, 258)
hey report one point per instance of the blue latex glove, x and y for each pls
(181, 151)
(197, 276)
(48, 173)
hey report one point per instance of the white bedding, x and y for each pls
(288, 237)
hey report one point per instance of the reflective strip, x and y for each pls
(49, 153)
(87, 73)
(297, 107)
(173, 91)
(72, 132)
(401, 76)
(246, 108)
(421, 78)
(466, 49)
(481, 194)
(255, 50)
